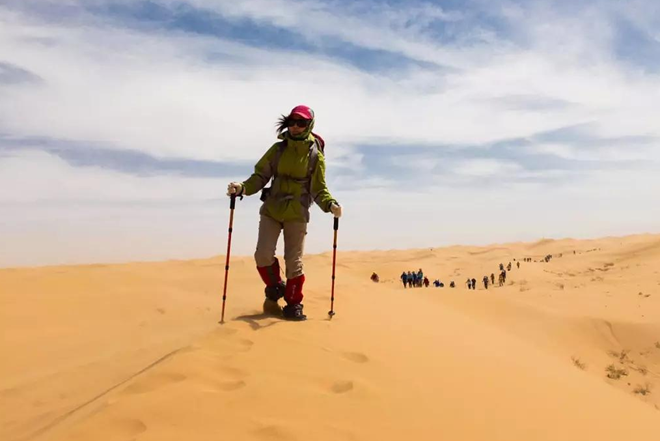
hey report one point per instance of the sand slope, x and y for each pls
(134, 351)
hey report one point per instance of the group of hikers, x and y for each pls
(546, 259)
(472, 283)
(417, 279)
(414, 279)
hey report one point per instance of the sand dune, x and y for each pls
(134, 351)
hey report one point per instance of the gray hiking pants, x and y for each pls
(294, 244)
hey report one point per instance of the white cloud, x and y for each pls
(560, 150)
(607, 153)
(422, 163)
(37, 177)
(486, 168)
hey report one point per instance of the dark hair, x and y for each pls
(282, 123)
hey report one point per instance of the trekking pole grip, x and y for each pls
(232, 202)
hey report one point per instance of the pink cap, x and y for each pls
(303, 111)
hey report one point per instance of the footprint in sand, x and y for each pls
(153, 382)
(246, 344)
(224, 341)
(124, 428)
(356, 357)
(233, 373)
(229, 386)
(340, 387)
(274, 432)
(225, 331)
(224, 379)
(230, 346)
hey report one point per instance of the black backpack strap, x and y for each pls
(307, 197)
(274, 162)
(313, 159)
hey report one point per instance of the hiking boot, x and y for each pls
(272, 308)
(294, 312)
(275, 292)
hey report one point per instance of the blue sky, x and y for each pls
(447, 122)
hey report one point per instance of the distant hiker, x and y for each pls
(501, 266)
(485, 279)
(411, 279)
(508, 267)
(436, 283)
(404, 279)
(296, 166)
(474, 283)
(452, 284)
(375, 278)
(518, 264)
(469, 283)
(492, 278)
(426, 282)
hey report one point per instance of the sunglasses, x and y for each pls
(302, 123)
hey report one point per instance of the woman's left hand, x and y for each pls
(335, 209)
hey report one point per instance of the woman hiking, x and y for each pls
(296, 166)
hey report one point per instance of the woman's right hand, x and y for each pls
(235, 189)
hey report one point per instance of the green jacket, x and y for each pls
(289, 200)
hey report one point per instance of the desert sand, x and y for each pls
(135, 351)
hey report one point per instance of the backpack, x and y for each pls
(319, 145)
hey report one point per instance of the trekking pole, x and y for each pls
(331, 313)
(232, 206)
